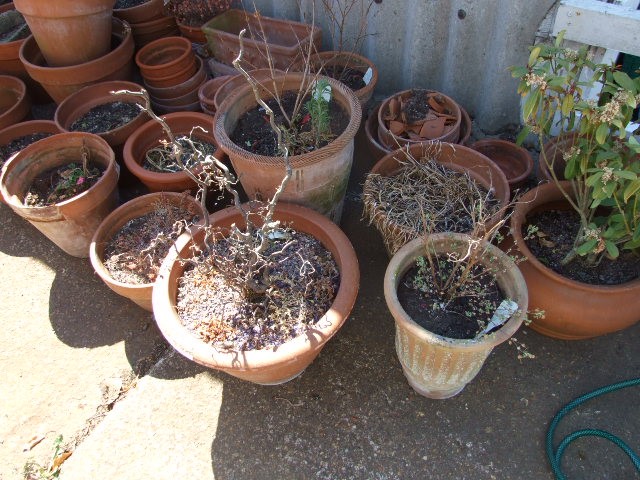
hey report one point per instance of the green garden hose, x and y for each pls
(555, 455)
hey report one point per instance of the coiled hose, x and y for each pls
(555, 455)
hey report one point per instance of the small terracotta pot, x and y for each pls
(15, 103)
(149, 135)
(111, 225)
(69, 32)
(572, 310)
(166, 58)
(79, 103)
(194, 34)
(515, 161)
(193, 84)
(207, 93)
(236, 82)
(436, 366)
(146, 32)
(149, 10)
(270, 366)
(69, 224)
(60, 82)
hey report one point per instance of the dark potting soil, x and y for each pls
(254, 133)
(463, 317)
(136, 251)
(303, 280)
(159, 159)
(556, 231)
(18, 144)
(61, 183)
(128, 3)
(14, 29)
(106, 117)
(351, 77)
(416, 108)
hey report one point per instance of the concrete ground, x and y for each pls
(80, 361)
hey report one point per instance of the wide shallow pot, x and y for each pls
(319, 179)
(436, 366)
(273, 365)
(455, 157)
(15, 103)
(69, 224)
(69, 32)
(79, 103)
(111, 225)
(572, 310)
(60, 82)
(515, 161)
(150, 134)
(166, 61)
(149, 10)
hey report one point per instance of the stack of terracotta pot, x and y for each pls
(148, 21)
(172, 74)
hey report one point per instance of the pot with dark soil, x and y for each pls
(453, 299)
(64, 185)
(192, 14)
(13, 32)
(515, 161)
(131, 242)
(138, 11)
(320, 142)
(579, 300)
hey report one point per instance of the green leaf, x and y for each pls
(518, 72)
(587, 247)
(612, 249)
(570, 169)
(632, 244)
(531, 104)
(523, 134)
(631, 190)
(593, 179)
(560, 38)
(636, 234)
(624, 81)
(601, 133)
(567, 104)
(626, 174)
(535, 52)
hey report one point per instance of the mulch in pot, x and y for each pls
(121, 4)
(19, 143)
(106, 117)
(62, 183)
(352, 78)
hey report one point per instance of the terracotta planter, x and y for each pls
(194, 34)
(149, 135)
(286, 39)
(10, 63)
(69, 32)
(147, 11)
(319, 178)
(60, 82)
(166, 61)
(15, 103)
(79, 103)
(440, 367)
(146, 32)
(573, 310)
(274, 365)
(188, 87)
(111, 225)
(393, 140)
(515, 161)
(455, 157)
(353, 61)
(166, 108)
(236, 82)
(69, 224)
(207, 92)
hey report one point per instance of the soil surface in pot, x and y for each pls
(303, 282)
(351, 77)
(135, 252)
(106, 117)
(121, 4)
(463, 316)
(62, 183)
(159, 159)
(551, 238)
(19, 143)
(13, 27)
(254, 133)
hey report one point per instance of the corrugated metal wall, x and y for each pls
(459, 47)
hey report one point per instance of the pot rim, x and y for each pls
(518, 151)
(181, 43)
(17, 86)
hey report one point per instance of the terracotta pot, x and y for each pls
(69, 224)
(166, 58)
(146, 32)
(465, 127)
(15, 103)
(60, 82)
(515, 161)
(553, 151)
(267, 366)
(455, 157)
(111, 225)
(207, 93)
(149, 135)
(160, 107)
(149, 10)
(10, 63)
(194, 34)
(286, 39)
(436, 366)
(236, 82)
(572, 310)
(69, 32)
(319, 178)
(392, 141)
(353, 61)
(189, 86)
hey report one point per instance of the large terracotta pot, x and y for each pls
(69, 32)
(572, 310)
(273, 365)
(149, 135)
(69, 224)
(234, 84)
(111, 225)
(147, 11)
(515, 161)
(319, 178)
(15, 103)
(455, 157)
(79, 103)
(60, 82)
(436, 366)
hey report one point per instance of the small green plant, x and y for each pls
(35, 471)
(318, 108)
(601, 161)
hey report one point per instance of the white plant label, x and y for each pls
(501, 315)
(368, 75)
